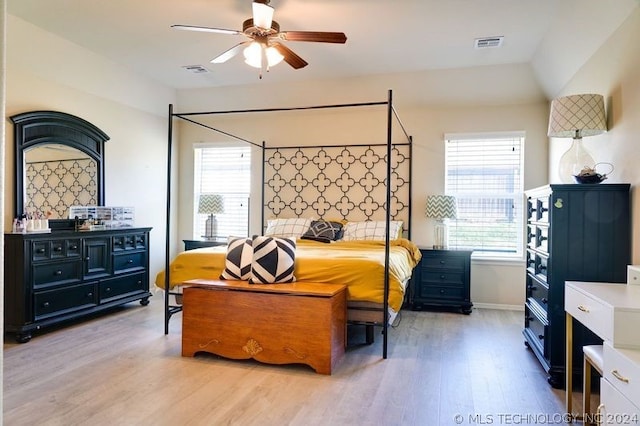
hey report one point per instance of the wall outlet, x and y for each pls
(633, 274)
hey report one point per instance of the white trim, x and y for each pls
(485, 135)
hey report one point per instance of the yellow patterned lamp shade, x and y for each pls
(576, 116)
(441, 207)
(211, 204)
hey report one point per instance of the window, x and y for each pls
(225, 171)
(484, 172)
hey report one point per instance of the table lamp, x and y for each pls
(576, 116)
(211, 204)
(441, 207)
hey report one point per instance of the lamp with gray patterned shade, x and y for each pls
(211, 204)
(441, 207)
(576, 116)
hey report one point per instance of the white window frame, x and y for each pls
(474, 193)
(232, 183)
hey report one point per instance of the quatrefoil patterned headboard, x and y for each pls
(336, 182)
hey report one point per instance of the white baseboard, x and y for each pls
(499, 306)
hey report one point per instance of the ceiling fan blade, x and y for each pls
(290, 57)
(206, 29)
(228, 54)
(316, 36)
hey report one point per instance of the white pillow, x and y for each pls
(287, 227)
(371, 230)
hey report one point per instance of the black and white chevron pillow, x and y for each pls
(237, 265)
(273, 260)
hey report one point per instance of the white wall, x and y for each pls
(614, 72)
(45, 72)
(496, 105)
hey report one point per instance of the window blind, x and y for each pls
(484, 173)
(225, 171)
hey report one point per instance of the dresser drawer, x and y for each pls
(55, 274)
(122, 286)
(55, 249)
(442, 262)
(542, 239)
(536, 329)
(622, 369)
(55, 302)
(129, 242)
(542, 209)
(129, 262)
(537, 291)
(616, 408)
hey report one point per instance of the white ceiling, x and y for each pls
(383, 36)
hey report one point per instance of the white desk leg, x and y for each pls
(568, 368)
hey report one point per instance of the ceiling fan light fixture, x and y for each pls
(253, 55)
(262, 15)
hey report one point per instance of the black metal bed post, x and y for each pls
(410, 184)
(262, 187)
(385, 303)
(168, 225)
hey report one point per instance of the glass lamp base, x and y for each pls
(574, 160)
(440, 235)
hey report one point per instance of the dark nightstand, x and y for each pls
(194, 244)
(442, 279)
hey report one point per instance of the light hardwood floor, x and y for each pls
(120, 369)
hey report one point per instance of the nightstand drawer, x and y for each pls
(442, 292)
(443, 278)
(440, 262)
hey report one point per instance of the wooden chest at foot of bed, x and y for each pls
(299, 323)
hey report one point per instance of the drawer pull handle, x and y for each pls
(544, 300)
(108, 289)
(46, 304)
(57, 248)
(130, 261)
(89, 294)
(583, 308)
(540, 336)
(58, 272)
(87, 258)
(40, 251)
(73, 247)
(619, 376)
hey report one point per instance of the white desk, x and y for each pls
(612, 311)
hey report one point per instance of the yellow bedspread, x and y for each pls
(358, 264)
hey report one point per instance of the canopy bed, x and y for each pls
(363, 190)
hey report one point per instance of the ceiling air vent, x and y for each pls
(196, 69)
(486, 42)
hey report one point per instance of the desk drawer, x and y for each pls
(616, 408)
(594, 314)
(622, 369)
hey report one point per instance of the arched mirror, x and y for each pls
(59, 163)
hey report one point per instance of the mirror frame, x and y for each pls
(36, 128)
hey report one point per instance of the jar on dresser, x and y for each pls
(575, 232)
(54, 277)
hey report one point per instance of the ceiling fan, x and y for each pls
(264, 47)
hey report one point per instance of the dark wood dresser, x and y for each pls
(574, 233)
(54, 277)
(442, 279)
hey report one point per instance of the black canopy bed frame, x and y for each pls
(392, 152)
